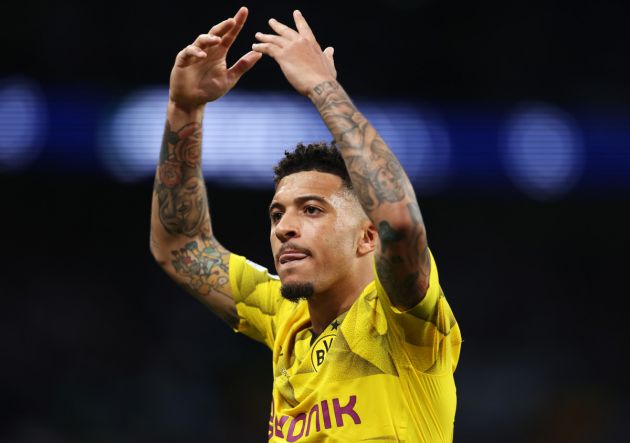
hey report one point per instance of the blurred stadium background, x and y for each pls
(512, 118)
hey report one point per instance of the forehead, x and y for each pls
(318, 183)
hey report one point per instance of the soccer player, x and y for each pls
(364, 343)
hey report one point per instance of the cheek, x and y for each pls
(340, 241)
(346, 229)
(274, 242)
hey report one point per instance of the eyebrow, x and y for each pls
(300, 200)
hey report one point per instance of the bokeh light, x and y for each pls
(542, 151)
(23, 123)
(245, 134)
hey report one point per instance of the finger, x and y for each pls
(283, 30)
(239, 21)
(266, 48)
(189, 55)
(222, 28)
(270, 38)
(244, 64)
(205, 41)
(303, 28)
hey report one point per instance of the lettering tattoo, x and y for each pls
(179, 186)
(381, 185)
(319, 89)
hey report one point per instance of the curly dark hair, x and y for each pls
(322, 157)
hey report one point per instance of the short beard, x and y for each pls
(297, 291)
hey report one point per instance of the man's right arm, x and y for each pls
(182, 240)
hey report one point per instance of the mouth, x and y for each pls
(289, 258)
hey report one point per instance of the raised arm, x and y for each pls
(402, 257)
(182, 240)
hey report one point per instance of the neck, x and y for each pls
(325, 306)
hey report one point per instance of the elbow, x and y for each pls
(391, 231)
(158, 253)
(162, 262)
(402, 222)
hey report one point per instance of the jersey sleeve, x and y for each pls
(428, 334)
(256, 293)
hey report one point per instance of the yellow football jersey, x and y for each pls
(374, 374)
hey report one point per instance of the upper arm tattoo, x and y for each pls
(404, 263)
(203, 268)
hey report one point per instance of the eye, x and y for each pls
(275, 216)
(312, 210)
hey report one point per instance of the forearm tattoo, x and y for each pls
(181, 194)
(201, 263)
(375, 172)
(379, 181)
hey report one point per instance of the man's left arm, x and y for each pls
(386, 194)
(402, 258)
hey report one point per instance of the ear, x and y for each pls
(368, 239)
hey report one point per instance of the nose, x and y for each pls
(287, 228)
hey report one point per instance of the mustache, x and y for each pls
(292, 247)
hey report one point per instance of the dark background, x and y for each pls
(493, 51)
(100, 346)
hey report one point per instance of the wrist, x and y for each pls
(322, 88)
(185, 112)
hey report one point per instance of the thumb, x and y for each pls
(328, 52)
(243, 65)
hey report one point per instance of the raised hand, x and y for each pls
(200, 73)
(300, 57)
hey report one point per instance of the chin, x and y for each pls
(297, 291)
